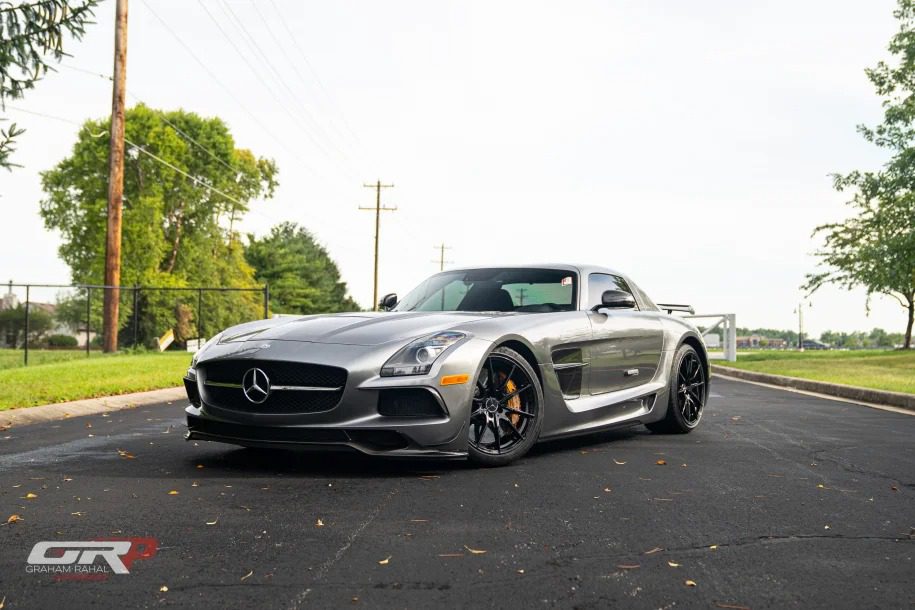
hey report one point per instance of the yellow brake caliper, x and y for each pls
(514, 402)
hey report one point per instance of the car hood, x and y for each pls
(353, 328)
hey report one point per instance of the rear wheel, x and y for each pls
(507, 409)
(688, 393)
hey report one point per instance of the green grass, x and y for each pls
(90, 378)
(893, 371)
(11, 358)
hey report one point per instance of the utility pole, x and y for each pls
(441, 256)
(378, 210)
(800, 326)
(115, 181)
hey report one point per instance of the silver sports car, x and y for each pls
(474, 363)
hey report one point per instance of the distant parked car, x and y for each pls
(811, 344)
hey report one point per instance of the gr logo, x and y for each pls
(89, 557)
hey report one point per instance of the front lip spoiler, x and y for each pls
(340, 445)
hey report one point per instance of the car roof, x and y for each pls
(583, 269)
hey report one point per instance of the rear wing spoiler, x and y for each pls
(671, 307)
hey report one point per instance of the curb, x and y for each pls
(33, 415)
(865, 395)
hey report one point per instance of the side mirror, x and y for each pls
(388, 302)
(616, 299)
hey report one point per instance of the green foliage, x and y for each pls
(12, 324)
(176, 231)
(31, 37)
(301, 275)
(62, 341)
(876, 248)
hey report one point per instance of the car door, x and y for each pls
(625, 347)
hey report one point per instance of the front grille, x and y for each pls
(408, 402)
(280, 374)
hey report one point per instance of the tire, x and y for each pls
(687, 394)
(506, 412)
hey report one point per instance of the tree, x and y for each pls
(876, 248)
(301, 275)
(31, 37)
(177, 231)
(12, 324)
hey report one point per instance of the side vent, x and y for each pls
(569, 364)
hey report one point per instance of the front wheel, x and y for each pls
(507, 409)
(688, 393)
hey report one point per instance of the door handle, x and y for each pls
(631, 373)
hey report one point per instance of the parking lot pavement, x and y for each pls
(777, 500)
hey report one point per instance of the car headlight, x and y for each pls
(203, 348)
(417, 357)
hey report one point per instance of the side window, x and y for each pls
(600, 282)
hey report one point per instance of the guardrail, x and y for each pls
(729, 322)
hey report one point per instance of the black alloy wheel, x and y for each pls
(506, 410)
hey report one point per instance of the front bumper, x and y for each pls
(355, 423)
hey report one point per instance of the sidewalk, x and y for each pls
(89, 406)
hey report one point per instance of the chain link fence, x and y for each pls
(53, 322)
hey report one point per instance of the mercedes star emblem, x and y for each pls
(256, 386)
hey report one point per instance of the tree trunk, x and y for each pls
(173, 257)
(908, 327)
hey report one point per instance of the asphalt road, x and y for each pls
(777, 500)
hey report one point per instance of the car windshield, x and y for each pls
(521, 290)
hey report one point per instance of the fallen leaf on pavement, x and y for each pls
(14, 519)
(6, 426)
(385, 561)
(30, 496)
(618, 462)
(661, 463)
(689, 583)
(451, 554)
(78, 514)
(199, 465)
(628, 566)
(213, 522)
(163, 589)
(673, 564)
(248, 575)
(713, 547)
(319, 523)
(2, 602)
(173, 492)
(126, 454)
(521, 571)
(652, 551)
(820, 486)
(607, 489)
(894, 488)
(731, 606)
(475, 551)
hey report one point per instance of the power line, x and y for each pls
(310, 67)
(139, 149)
(164, 119)
(171, 166)
(378, 210)
(251, 41)
(225, 88)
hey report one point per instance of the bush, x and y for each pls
(62, 341)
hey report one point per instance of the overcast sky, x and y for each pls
(687, 144)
